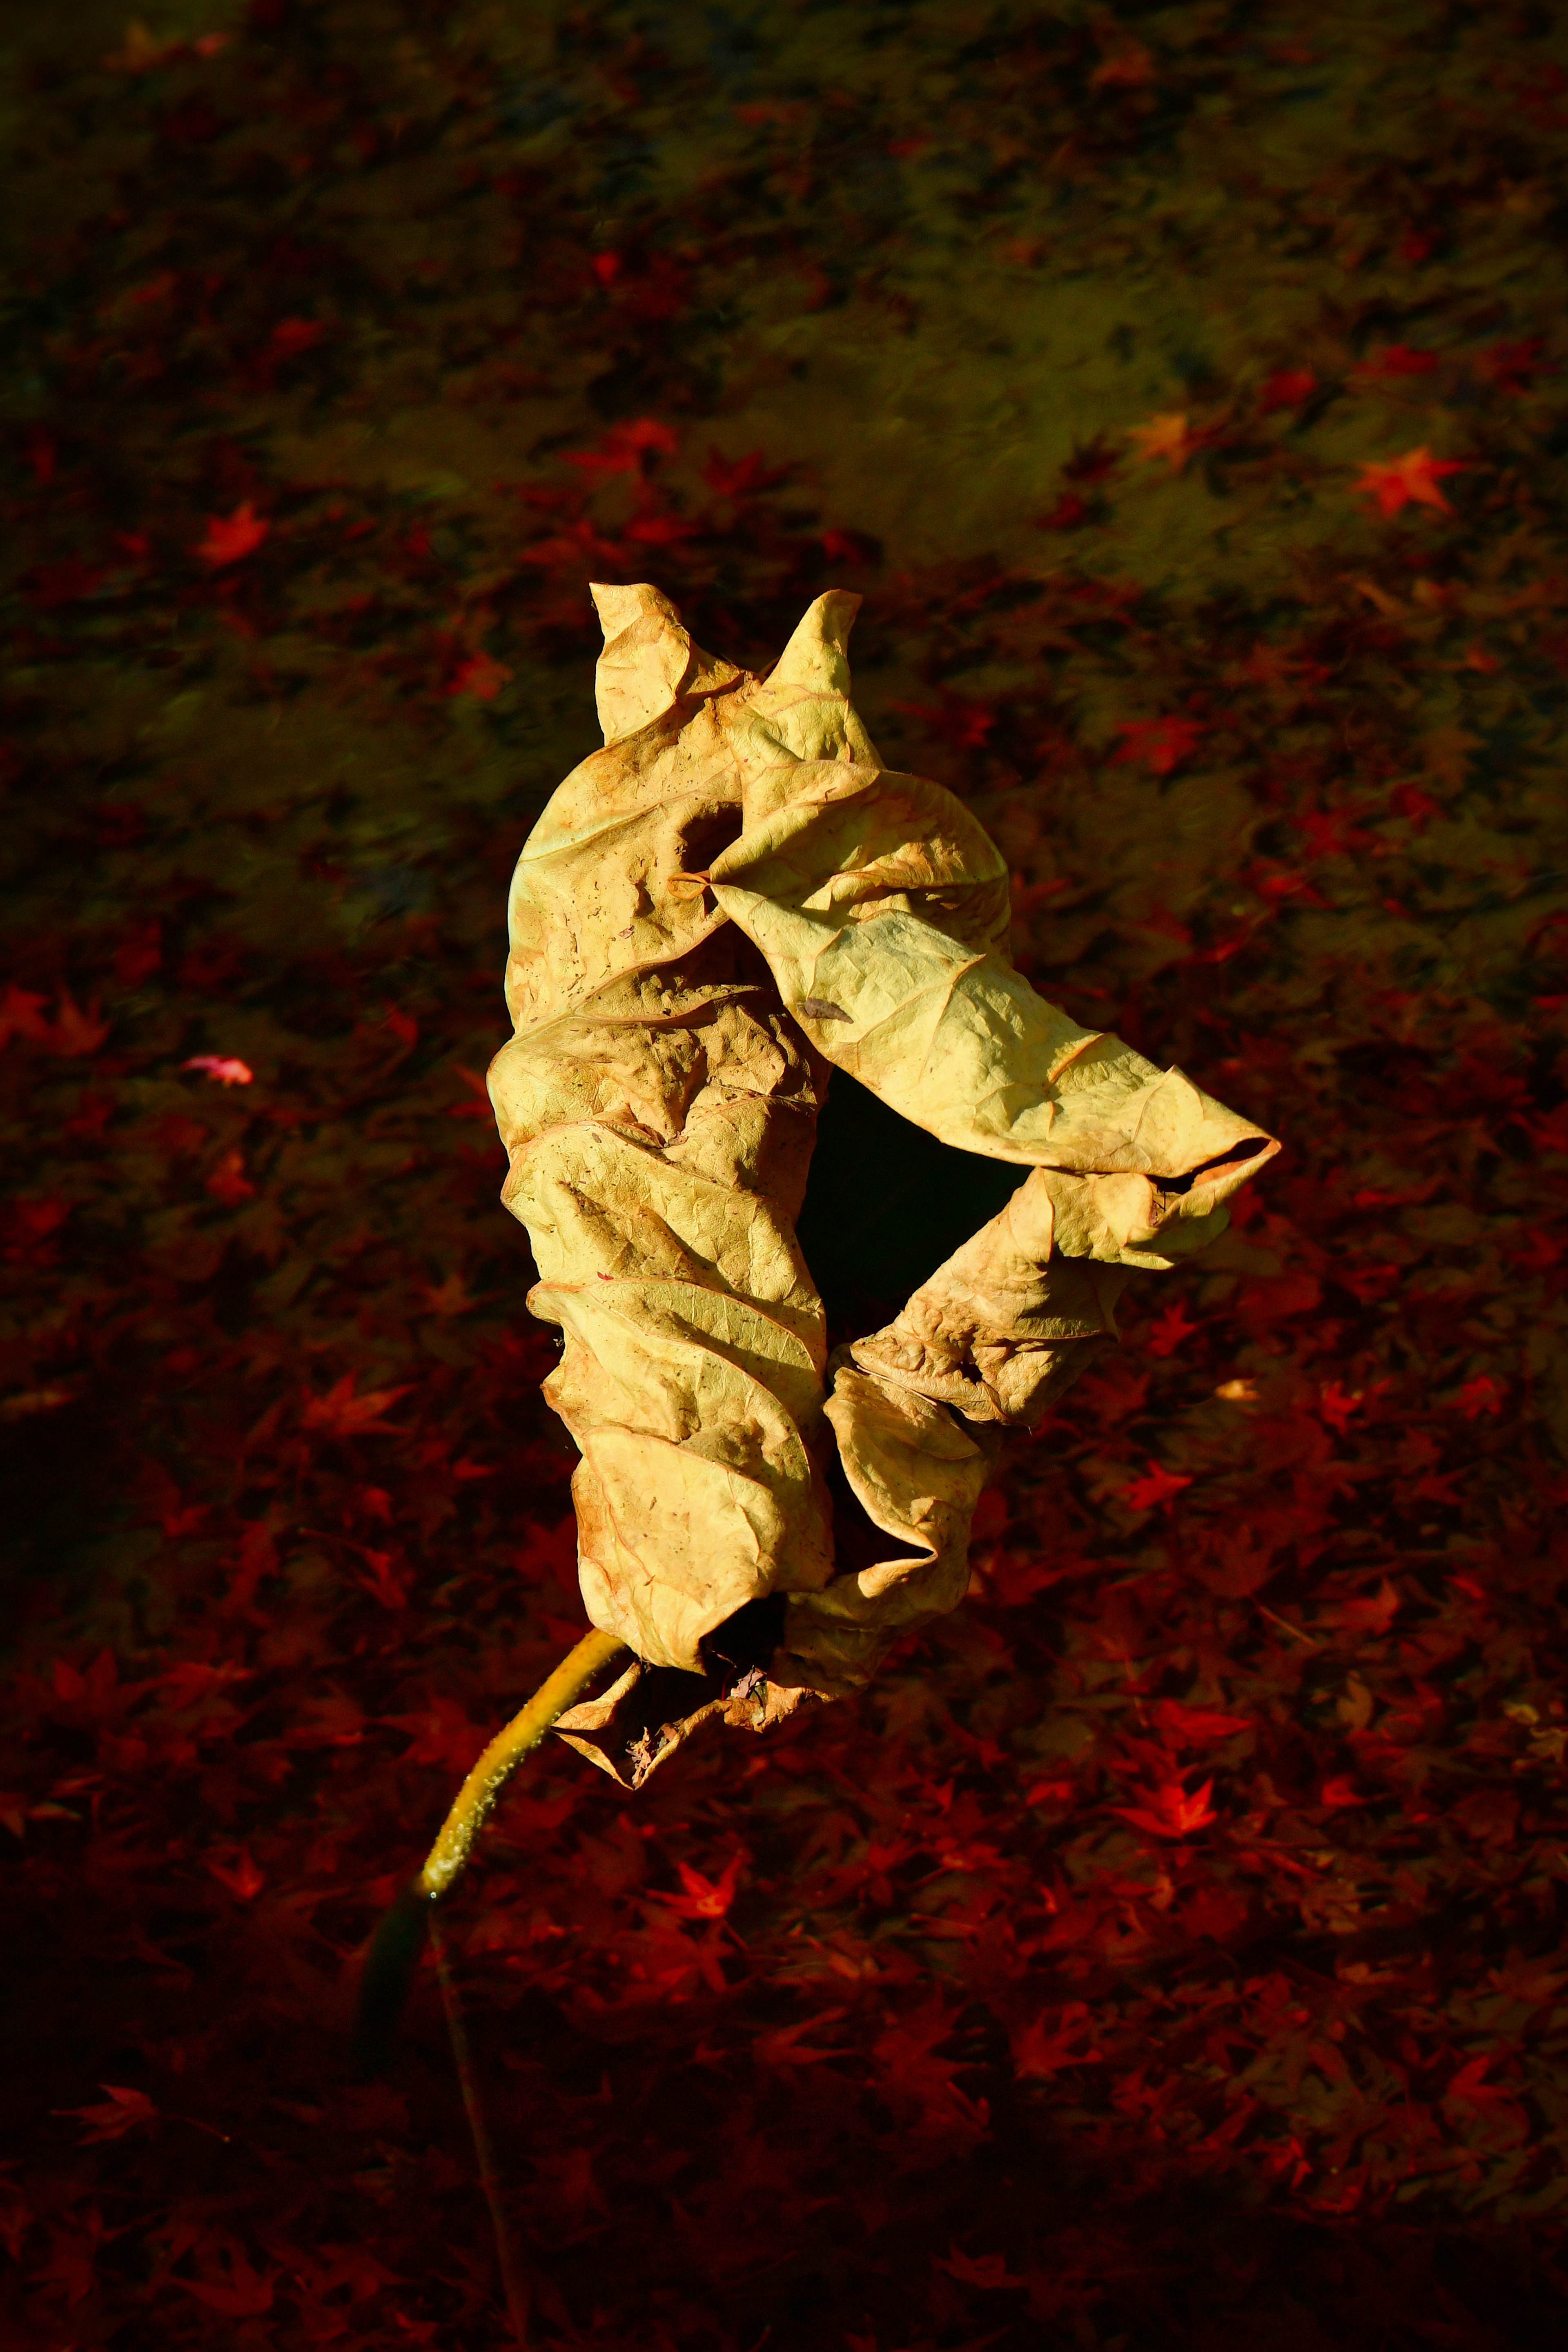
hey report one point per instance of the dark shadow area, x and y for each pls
(885, 1204)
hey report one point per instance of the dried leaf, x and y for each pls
(732, 897)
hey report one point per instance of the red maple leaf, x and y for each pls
(1169, 1811)
(22, 1015)
(957, 718)
(291, 335)
(477, 675)
(481, 1107)
(1157, 1485)
(848, 547)
(977, 2270)
(626, 449)
(139, 951)
(240, 1875)
(77, 1030)
(1366, 1612)
(784, 2045)
(1469, 2087)
(228, 1181)
(387, 1577)
(123, 2111)
(705, 1898)
(1042, 2048)
(740, 478)
(1286, 388)
(1128, 65)
(1410, 480)
(1514, 366)
(1478, 1396)
(1331, 833)
(1191, 1725)
(1398, 359)
(1339, 1406)
(233, 2286)
(442, 1734)
(1168, 1330)
(1091, 460)
(1160, 743)
(344, 1414)
(231, 538)
(193, 1679)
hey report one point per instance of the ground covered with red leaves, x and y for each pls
(1168, 1951)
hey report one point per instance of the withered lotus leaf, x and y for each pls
(730, 900)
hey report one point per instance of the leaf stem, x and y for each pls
(514, 2286)
(504, 1754)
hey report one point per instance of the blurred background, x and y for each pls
(1167, 1952)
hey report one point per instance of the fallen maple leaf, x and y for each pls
(344, 1414)
(1469, 2086)
(705, 1898)
(624, 448)
(1396, 359)
(1191, 1724)
(479, 1108)
(1157, 1485)
(477, 675)
(75, 1031)
(24, 1402)
(33, 1222)
(231, 538)
(1478, 1396)
(1168, 1330)
(228, 1181)
(977, 2270)
(22, 1015)
(192, 1679)
(1409, 480)
(121, 2112)
(142, 51)
(1056, 1792)
(1160, 743)
(386, 1578)
(238, 2292)
(1169, 1812)
(1368, 1612)
(739, 477)
(441, 1733)
(1339, 1406)
(1041, 2049)
(1166, 436)
(1286, 388)
(449, 1297)
(223, 1069)
(291, 335)
(1514, 366)
(1129, 66)
(241, 1875)
(784, 2045)
(1068, 512)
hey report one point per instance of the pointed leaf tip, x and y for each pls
(618, 608)
(816, 658)
(647, 657)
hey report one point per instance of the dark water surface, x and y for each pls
(1167, 1951)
